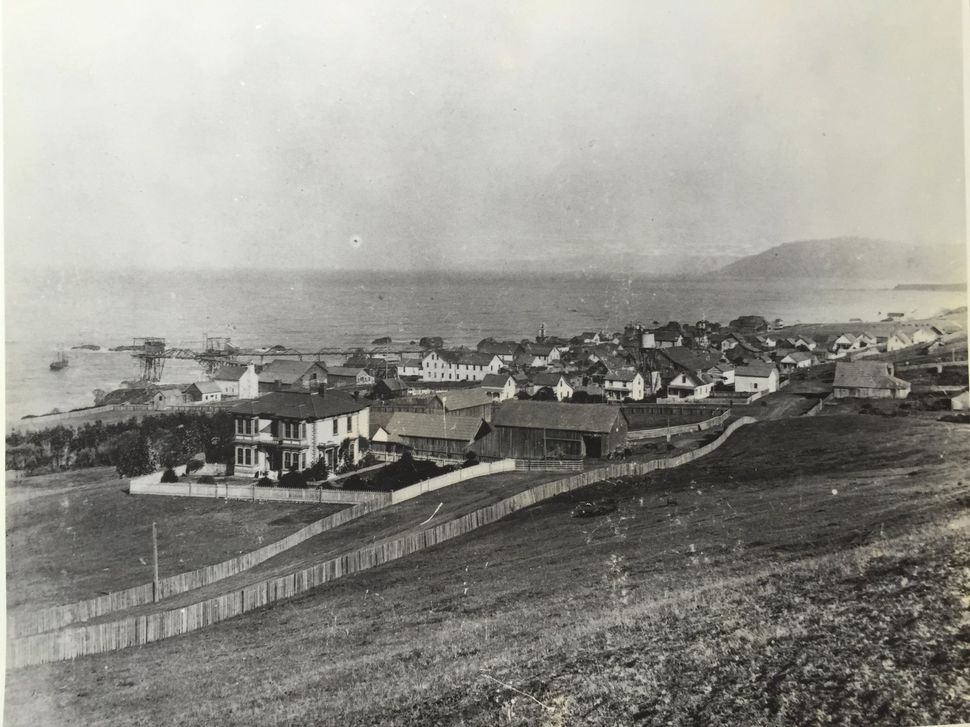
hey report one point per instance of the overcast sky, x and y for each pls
(399, 134)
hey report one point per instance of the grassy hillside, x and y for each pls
(853, 258)
(75, 535)
(809, 572)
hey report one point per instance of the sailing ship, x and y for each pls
(60, 363)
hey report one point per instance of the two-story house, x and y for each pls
(293, 429)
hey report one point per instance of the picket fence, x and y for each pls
(49, 619)
(99, 638)
(253, 493)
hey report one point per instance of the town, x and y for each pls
(294, 412)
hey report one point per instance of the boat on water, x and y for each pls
(60, 363)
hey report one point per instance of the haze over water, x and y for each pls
(308, 311)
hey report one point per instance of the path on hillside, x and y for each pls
(385, 524)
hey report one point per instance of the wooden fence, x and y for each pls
(466, 473)
(656, 432)
(545, 465)
(253, 493)
(59, 616)
(99, 638)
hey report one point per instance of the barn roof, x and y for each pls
(599, 418)
(286, 371)
(455, 399)
(229, 373)
(433, 426)
(866, 375)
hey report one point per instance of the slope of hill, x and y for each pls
(853, 258)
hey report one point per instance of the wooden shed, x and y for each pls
(552, 430)
(428, 435)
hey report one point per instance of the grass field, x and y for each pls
(810, 572)
(74, 535)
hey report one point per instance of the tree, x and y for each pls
(132, 455)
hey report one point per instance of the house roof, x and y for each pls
(286, 371)
(902, 337)
(498, 348)
(540, 349)
(205, 387)
(621, 375)
(666, 334)
(433, 426)
(456, 399)
(300, 405)
(130, 396)
(600, 418)
(412, 363)
(229, 373)
(695, 379)
(798, 356)
(755, 370)
(690, 360)
(393, 384)
(353, 371)
(866, 375)
(468, 358)
(496, 381)
(546, 379)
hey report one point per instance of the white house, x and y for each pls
(204, 392)
(500, 386)
(623, 384)
(924, 334)
(293, 429)
(459, 365)
(960, 402)
(796, 360)
(722, 373)
(755, 377)
(409, 367)
(898, 340)
(690, 386)
(849, 342)
(556, 382)
(237, 382)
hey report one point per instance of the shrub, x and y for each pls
(169, 475)
(193, 465)
(207, 480)
(471, 459)
(264, 482)
(293, 478)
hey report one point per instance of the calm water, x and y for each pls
(311, 310)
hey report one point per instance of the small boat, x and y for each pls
(60, 363)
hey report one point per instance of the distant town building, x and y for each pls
(868, 380)
(237, 382)
(202, 392)
(755, 377)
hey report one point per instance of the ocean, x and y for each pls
(49, 311)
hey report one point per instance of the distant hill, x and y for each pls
(854, 258)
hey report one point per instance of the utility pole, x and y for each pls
(155, 589)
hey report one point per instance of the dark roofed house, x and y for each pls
(552, 430)
(429, 435)
(390, 389)
(285, 430)
(499, 386)
(868, 380)
(202, 391)
(349, 376)
(288, 374)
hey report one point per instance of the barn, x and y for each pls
(427, 435)
(552, 430)
(868, 380)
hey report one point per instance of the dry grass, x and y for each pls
(75, 535)
(810, 573)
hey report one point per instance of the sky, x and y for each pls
(492, 135)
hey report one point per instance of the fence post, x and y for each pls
(155, 584)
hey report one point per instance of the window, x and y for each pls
(244, 456)
(335, 426)
(291, 430)
(349, 426)
(245, 426)
(294, 459)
